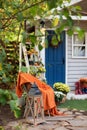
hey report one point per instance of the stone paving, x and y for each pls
(73, 120)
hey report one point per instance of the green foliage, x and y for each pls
(59, 96)
(52, 3)
(80, 31)
(15, 108)
(24, 69)
(24, 37)
(9, 97)
(5, 96)
(1, 128)
(54, 40)
(6, 69)
(33, 70)
(40, 47)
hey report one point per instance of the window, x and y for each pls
(78, 47)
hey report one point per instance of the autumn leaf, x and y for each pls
(55, 22)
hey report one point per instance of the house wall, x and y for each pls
(76, 67)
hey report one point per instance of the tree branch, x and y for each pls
(19, 31)
(14, 15)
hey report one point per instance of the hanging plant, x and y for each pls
(52, 38)
(54, 41)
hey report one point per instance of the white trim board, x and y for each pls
(73, 2)
(66, 44)
(82, 18)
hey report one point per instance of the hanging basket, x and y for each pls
(54, 41)
(55, 45)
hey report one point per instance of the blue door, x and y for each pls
(55, 62)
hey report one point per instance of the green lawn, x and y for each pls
(74, 104)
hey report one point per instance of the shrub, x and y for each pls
(9, 97)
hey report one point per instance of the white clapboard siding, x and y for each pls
(73, 64)
(76, 72)
(76, 67)
(77, 60)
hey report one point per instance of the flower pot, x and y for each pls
(57, 103)
(63, 100)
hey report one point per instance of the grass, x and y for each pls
(74, 104)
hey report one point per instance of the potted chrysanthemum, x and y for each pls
(60, 91)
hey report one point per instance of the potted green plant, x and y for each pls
(60, 91)
(59, 97)
(41, 69)
(33, 70)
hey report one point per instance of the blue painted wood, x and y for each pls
(55, 62)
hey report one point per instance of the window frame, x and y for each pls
(79, 45)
